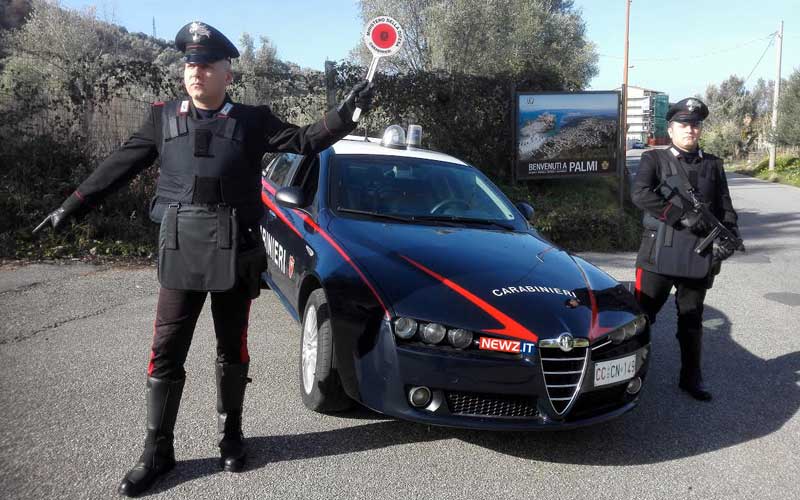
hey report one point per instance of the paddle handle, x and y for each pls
(370, 75)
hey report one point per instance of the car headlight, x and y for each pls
(405, 328)
(628, 330)
(432, 333)
(459, 338)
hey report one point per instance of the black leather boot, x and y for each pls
(691, 378)
(163, 400)
(231, 383)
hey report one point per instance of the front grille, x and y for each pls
(491, 405)
(563, 373)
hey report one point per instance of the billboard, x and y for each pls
(566, 134)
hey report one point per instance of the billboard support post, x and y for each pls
(513, 123)
(624, 117)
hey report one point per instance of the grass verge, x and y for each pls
(787, 170)
(582, 214)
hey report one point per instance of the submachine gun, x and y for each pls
(674, 187)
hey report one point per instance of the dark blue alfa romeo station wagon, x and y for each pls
(423, 293)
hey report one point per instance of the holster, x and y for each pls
(252, 262)
(198, 247)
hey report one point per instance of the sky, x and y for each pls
(676, 46)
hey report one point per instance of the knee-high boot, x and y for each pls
(691, 378)
(158, 457)
(231, 382)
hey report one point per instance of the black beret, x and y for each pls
(204, 44)
(689, 110)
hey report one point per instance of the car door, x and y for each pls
(279, 226)
(306, 176)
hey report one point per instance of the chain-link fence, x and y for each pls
(104, 127)
(40, 97)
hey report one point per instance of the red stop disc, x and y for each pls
(384, 36)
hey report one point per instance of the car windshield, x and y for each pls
(417, 189)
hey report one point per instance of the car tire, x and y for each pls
(320, 385)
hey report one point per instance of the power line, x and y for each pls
(697, 56)
(772, 40)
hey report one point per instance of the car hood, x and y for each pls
(501, 282)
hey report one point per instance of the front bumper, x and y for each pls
(494, 391)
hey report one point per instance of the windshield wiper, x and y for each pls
(374, 214)
(465, 220)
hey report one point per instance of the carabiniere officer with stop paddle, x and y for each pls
(209, 189)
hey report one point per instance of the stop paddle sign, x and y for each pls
(383, 37)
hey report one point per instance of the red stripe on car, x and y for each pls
(308, 220)
(595, 330)
(272, 206)
(510, 327)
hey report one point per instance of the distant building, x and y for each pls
(646, 113)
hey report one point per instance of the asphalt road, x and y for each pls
(74, 346)
(633, 157)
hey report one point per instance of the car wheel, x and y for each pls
(319, 381)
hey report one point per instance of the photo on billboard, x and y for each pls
(566, 134)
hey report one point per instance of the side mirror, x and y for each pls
(526, 209)
(290, 197)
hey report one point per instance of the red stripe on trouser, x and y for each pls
(244, 354)
(638, 283)
(151, 364)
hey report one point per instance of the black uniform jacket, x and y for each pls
(264, 132)
(703, 169)
(645, 197)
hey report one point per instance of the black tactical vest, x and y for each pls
(205, 162)
(669, 250)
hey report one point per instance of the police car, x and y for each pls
(423, 293)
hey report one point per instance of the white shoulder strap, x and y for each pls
(226, 109)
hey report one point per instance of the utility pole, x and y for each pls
(623, 121)
(154, 27)
(776, 93)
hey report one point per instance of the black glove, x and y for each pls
(722, 249)
(58, 217)
(359, 97)
(694, 221)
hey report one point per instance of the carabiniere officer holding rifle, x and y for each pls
(675, 228)
(208, 202)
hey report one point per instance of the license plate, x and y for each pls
(615, 370)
